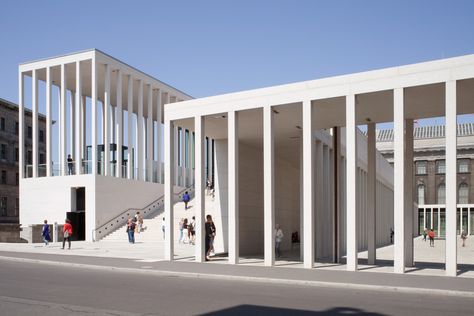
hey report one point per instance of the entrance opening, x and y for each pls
(77, 215)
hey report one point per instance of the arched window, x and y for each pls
(463, 194)
(442, 194)
(421, 194)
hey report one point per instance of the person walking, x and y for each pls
(69, 164)
(192, 227)
(463, 237)
(210, 229)
(278, 240)
(186, 199)
(180, 226)
(139, 221)
(185, 231)
(392, 234)
(431, 235)
(67, 233)
(163, 228)
(131, 230)
(425, 233)
(45, 233)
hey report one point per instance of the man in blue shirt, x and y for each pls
(186, 199)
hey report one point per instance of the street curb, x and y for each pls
(336, 285)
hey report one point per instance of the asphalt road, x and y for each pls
(42, 289)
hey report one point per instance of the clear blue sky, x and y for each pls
(212, 47)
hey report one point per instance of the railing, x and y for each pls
(118, 221)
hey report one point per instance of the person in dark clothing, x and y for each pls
(210, 234)
(69, 165)
(45, 233)
(186, 199)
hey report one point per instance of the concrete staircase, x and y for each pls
(153, 232)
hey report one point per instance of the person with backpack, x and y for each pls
(45, 233)
(186, 199)
(463, 238)
(131, 230)
(67, 233)
(431, 235)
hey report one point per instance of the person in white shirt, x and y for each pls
(278, 239)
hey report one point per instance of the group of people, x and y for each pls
(187, 231)
(67, 233)
(431, 235)
(134, 225)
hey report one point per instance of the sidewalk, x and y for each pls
(281, 274)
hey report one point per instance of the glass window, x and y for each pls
(29, 157)
(2, 123)
(441, 166)
(441, 194)
(16, 154)
(463, 194)
(17, 179)
(463, 165)
(3, 206)
(421, 194)
(41, 136)
(4, 177)
(420, 167)
(17, 128)
(17, 206)
(41, 159)
(30, 132)
(3, 151)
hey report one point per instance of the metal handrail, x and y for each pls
(122, 217)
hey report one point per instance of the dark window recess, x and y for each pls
(30, 132)
(41, 136)
(2, 123)
(17, 179)
(17, 128)
(41, 159)
(3, 151)
(17, 155)
(3, 206)
(4, 177)
(29, 157)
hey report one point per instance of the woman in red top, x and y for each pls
(67, 233)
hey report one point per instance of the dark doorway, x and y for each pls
(77, 215)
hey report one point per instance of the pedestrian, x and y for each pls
(463, 237)
(185, 231)
(278, 240)
(186, 199)
(139, 221)
(208, 187)
(69, 164)
(67, 233)
(45, 233)
(431, 235)
(392, 234)
(192, 227)
(180, 226)
(210, 235)
(131, 230)
(425, 233)
(163, 228)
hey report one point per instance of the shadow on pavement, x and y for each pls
(266, 310)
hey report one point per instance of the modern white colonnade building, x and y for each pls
(253, 132)
(110, 121)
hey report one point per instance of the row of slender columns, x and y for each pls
(112, 124)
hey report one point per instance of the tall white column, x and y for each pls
(182, 144)
(176, 154)
(199, 189)
(21, 125)
(352, 199)
(107, 120)
(94, 117)
(77, 154)
(34, 118)
(149, 137)
(451, 180)
(308, 186)
(399, 180)
(49, 115)
(168, 187)
(62, 120)
(189, 162)
(140, 131)
(371, 197)
(119, 125)
(210, 156)
(129, 127)
(337, 198)
(233, 187)
(83, 129)
(72, 127)
(158, 135)
(409, 201)
(268, 186)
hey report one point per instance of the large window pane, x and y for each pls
(441, 197)
(463, 194)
